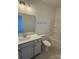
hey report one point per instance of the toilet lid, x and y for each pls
(47, 43)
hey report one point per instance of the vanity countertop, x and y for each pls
(29, 38)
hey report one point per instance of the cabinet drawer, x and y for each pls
(25, 44)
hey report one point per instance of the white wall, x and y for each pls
(44, 15)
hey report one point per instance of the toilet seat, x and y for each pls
(46, 43)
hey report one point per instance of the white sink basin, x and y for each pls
(27, 38)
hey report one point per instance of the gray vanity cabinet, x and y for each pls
(29, 49)
(27, 52)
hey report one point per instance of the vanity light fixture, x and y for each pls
(22, 5)
(25, 5)
(21, 2)
(29, 8)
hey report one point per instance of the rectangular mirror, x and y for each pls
(29, 22)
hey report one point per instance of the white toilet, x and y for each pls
(47, 44)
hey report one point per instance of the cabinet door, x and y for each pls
(37, 48)
(27, 52)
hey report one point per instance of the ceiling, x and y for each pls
(55, 3)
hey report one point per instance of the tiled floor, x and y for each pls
(53, 53)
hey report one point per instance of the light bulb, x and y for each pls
(22, 6)
(29, 8)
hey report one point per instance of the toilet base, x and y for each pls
(46, 49)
